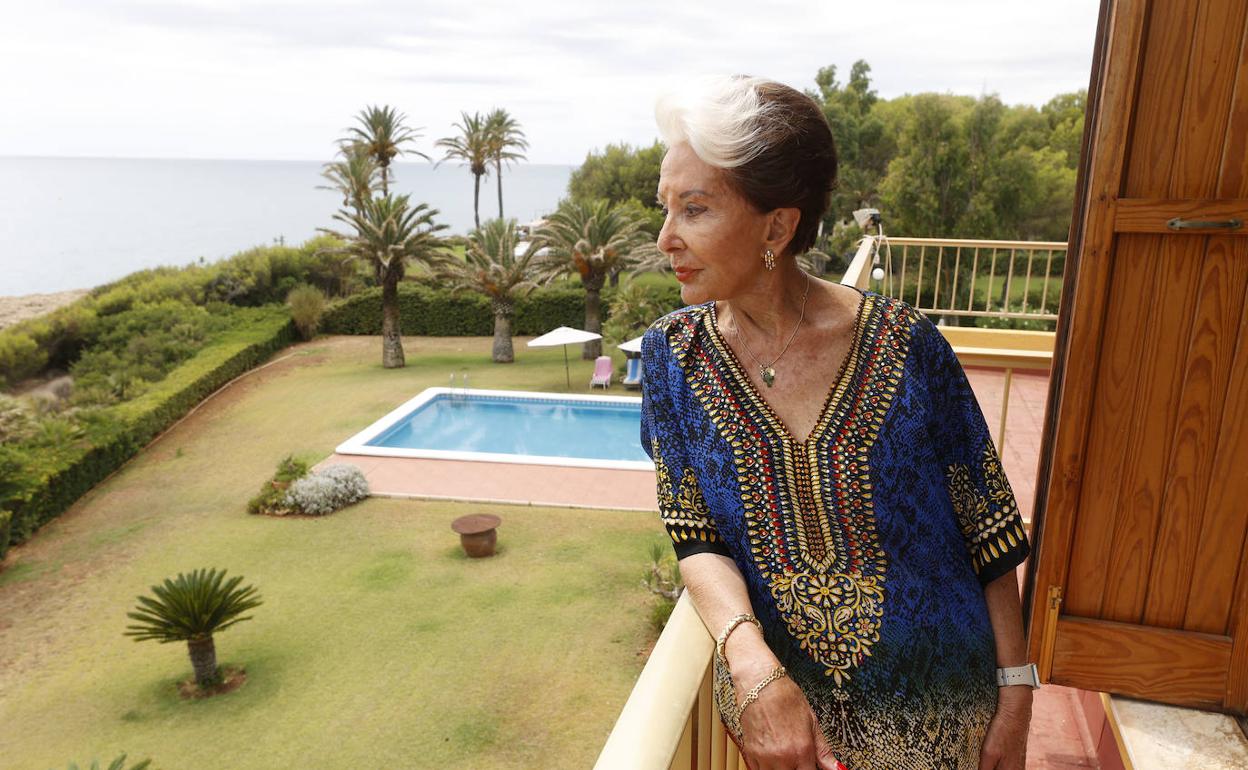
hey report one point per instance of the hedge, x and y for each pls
(38, 500)
(431, 312)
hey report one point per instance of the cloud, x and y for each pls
(278, 78)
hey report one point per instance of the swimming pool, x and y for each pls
(509, 427)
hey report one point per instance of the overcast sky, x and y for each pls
(269, 79)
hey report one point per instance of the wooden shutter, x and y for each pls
(1140, 581)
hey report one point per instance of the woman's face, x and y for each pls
(712, 235)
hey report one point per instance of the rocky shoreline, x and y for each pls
(15, 309)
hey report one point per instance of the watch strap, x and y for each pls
(1026, 674)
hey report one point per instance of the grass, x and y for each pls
(378, 644)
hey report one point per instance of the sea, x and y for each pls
(75, 223)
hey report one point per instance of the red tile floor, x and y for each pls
(1060, 738)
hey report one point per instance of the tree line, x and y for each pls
(936, 165)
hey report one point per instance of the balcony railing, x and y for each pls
(669, 722)
(998, 279)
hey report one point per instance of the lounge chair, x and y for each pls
(632, 377)
(602, 372)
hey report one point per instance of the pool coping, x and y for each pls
(357, 444)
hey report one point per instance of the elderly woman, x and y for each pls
(838, 508)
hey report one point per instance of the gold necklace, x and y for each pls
(768, 371)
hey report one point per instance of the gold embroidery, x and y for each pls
(990, 523)
(683, 509)
(807, 505)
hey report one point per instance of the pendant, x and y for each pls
(769, 375)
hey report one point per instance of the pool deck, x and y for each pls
(553, 485)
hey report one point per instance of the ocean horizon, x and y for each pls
(76, 223)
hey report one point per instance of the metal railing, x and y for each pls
(999, 279)
(669, 722)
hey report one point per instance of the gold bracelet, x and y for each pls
(731, 626)
(752, 695)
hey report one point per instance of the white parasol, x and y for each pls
(632, 346)
(564, 336)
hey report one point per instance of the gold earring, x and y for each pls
(769, 260)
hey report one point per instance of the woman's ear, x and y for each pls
(781, 225)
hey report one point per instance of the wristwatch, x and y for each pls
(1026, 674)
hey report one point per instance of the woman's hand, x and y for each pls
(780, 732)
(1005, 744)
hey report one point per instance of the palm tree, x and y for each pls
(357, 176)
(191, 608)
(500, 266)
(472, 148)
(382, 134)
(505, 142)
(592, 240)
(387, 233)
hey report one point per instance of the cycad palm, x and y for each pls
(117, 764)
(191, 608)
(387, 233)
(383, 136)
(591, 240)
(506, 140)
(500, 266)
(472, 148)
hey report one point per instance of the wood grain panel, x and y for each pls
(1109, 126)
(1110, 429)
(1207, 97)
(1158, 382)
(1155, 663)
(1150, 215)
(1159, 104)
(1198, 408)
(1237, 679)
(1233, 169)
(1221, 550)
(1100, 171)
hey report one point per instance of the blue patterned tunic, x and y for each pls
(865, 548)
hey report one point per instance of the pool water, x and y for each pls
(531, 426)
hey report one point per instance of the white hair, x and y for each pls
(722, 118)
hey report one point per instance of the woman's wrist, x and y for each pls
(749, 658)
(1016, 699)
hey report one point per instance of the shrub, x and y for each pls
(662, 579)
(6, 522)
(20, 356)
(272, 495)
(635, 306)
(16, 421)
(307, 305)
(37, 483)
(139, 346)
(660, 612)
(327, 490)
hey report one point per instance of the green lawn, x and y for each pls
(378, 644)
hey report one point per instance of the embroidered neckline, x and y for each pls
(835, 394)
